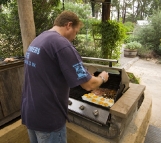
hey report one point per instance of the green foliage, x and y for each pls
(132, 78)
(131, 17)
(145, 53)
(84, 41)
(149, 35)
(74, 1)
(4, 1)
(82, 10)
(129, 26)
(130, 38)
(88, 22)
(155, 4)
(111, 35)
(88, 51)
(133, 45)
(45, 14)
(85, 46)
(10, 35)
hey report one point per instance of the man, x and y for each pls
(52, 67)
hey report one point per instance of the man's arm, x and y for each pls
(95, 82)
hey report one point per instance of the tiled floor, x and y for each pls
(153, 135)
(150, 75)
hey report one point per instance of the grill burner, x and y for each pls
(90, 115)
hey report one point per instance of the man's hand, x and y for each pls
(104, 75)
(9, 59)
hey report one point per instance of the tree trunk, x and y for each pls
(118, 14)
(93, 9)
(106, 10)
(124, 15)
(27, 25)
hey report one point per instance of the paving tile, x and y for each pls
(153, 135)
(150, 76)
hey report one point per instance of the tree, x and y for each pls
(16, 28)
(45, 13)
(116, 4)
(4, 1)
(155, 5)
(10, 34)
(27, 24)
(149, 35)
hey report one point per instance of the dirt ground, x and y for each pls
(149, 73)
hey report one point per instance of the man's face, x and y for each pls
(72, 32)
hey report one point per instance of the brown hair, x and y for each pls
(65, 17)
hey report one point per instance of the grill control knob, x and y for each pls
(69, 102)
(81, 107)
(95, 112)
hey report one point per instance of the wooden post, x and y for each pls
(27, 24)
(106, 5)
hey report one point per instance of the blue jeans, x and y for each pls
(47, 137)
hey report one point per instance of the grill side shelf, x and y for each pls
(123, 107)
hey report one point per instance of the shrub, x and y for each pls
(133, 45)
(130, 38)
(149, 35)
(111, 35)
(145, 53)
(129, 26)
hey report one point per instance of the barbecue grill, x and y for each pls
(92, 116)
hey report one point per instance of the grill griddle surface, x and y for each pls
(112, 84)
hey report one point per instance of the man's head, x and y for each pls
(70, 22)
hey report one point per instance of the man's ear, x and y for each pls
(69, 25)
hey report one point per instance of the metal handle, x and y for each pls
(110, 61)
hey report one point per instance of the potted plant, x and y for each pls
(130, 49)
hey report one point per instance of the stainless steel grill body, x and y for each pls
(94, 117)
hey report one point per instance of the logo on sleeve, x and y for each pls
(81, 72)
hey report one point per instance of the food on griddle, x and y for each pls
(101, 103)
(94, 100)
(100, 100)
(106, 104)
(92, 94)
(95, 96)
(111, 100)
(86, 97)
(106, 93)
